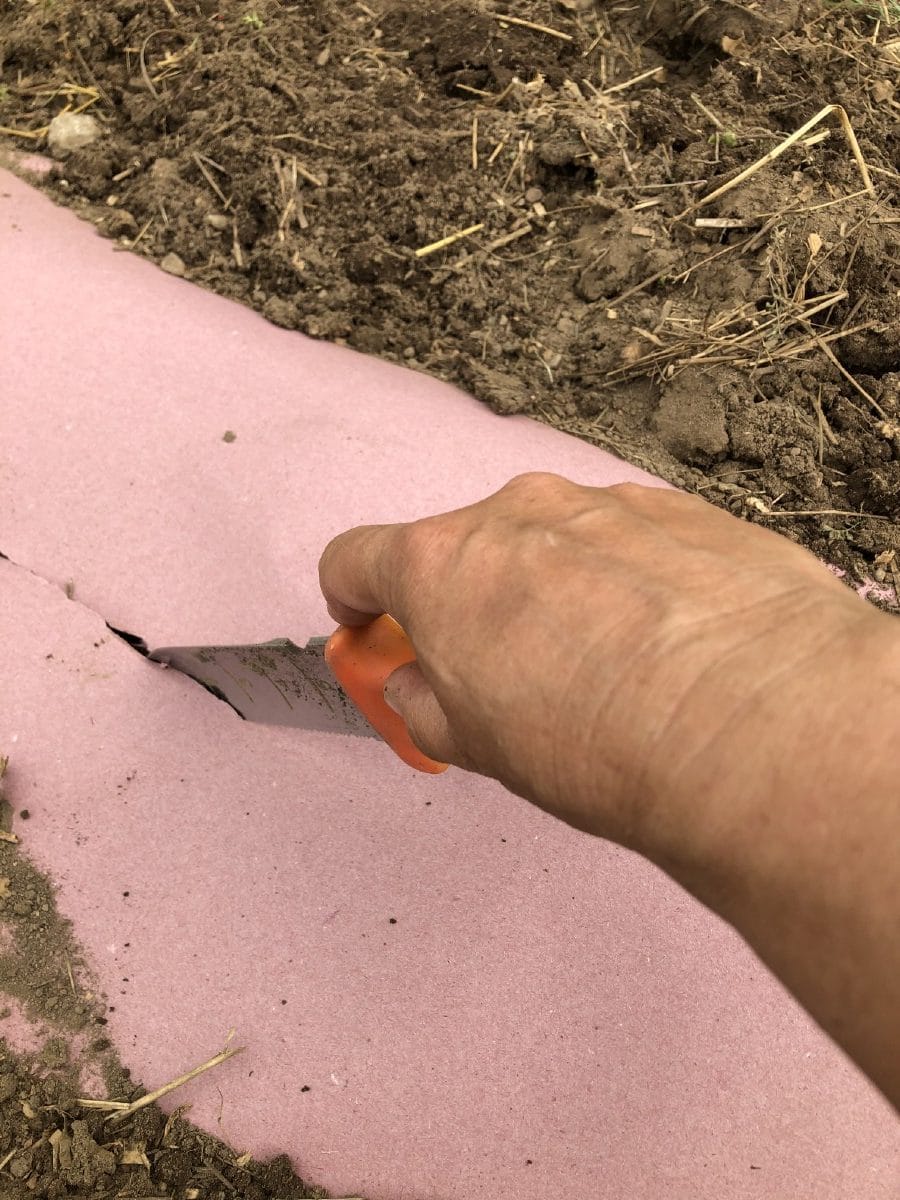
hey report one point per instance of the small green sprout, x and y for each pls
(253, 20)
(729, 138)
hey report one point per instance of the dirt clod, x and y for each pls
(51, 1144)
(297, 156)
(70, 131)
(691, 421)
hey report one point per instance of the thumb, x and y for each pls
(408, 693)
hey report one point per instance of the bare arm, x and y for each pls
(655, 672)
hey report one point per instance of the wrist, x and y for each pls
(805, 866)
(751, 779)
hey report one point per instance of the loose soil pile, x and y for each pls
(52, 1143)
(306, 157)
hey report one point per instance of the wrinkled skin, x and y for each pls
(658, 673)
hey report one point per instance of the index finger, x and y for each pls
(360, 574)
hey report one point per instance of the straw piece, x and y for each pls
(122, 1113)
(782, 148)
(448, 240)
(620, 87)
(520, 21)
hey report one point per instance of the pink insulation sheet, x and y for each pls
(443, 994)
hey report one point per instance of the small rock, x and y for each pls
(55, 1052)
(534, 195)
(173, 265)
(163, 170)
(20, 1166)
(71, 131)
(120, 224)
(217, 220)
(229, 436)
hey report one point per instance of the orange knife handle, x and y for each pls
(361, 658)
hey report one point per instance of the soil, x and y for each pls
(54, 1145)
(304, 157)
(511, 197)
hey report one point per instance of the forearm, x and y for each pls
(653, 671)
(809, 870)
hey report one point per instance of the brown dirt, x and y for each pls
(53, 1145)
(296, 156)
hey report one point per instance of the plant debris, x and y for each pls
(670, 229)
(57, 1141)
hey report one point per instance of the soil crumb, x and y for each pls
(53, 1142)
(517, 201)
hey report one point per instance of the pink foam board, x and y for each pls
(115, 472)
(548, 1012)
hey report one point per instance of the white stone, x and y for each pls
(173, 265)
(71, 131)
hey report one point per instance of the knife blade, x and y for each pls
(272, 683)
(333, 684)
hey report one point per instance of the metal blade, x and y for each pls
(273, 683)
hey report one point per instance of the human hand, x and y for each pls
(619, 656)
(655, 671)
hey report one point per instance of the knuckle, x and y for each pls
(630, 493)
(420, 542)
(537, 485)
